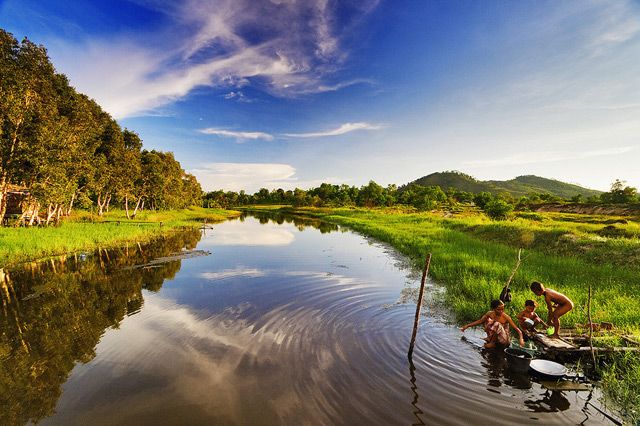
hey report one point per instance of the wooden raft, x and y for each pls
(561, 345)
(550, 344)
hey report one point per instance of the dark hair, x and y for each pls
(530, 303)
(536, 286)
(496, 303)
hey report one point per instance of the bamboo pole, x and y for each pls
(419, 305)
(593, 354)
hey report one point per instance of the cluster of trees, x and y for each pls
(59, 147)
(497, 206)
(329, 195)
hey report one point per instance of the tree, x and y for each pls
(482, 198)
(498, 209)
(620, 193)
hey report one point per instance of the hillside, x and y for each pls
(519, 186)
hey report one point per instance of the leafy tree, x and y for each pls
(481, 199)
(620, 193)
(498, 209)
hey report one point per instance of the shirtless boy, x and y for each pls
(557, 303)
(528, 319)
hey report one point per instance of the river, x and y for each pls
(279, 322)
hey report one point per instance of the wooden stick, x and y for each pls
(419, 305)
(515, 268)
(593, 354)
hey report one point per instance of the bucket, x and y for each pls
(518, 359)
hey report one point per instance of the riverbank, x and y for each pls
(474, 256)
(85, 231)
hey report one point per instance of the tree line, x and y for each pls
(59, 149)
(417, 196)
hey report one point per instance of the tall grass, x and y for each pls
(84, 231)
(622, 383)
(473, 257)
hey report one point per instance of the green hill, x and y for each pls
(522, 185)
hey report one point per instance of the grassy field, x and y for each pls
(84, 231)
(474, 256)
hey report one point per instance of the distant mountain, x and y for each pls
(522, 185)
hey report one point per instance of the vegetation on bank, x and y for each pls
(474, 256)
(60, 150)
(497, 205)
(86, 231)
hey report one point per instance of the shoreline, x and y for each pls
(86, 232)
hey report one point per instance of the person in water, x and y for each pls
(528, 319)
(557, 303)
(496, 325)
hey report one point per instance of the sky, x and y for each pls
(292, 93)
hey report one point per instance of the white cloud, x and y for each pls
(253, 176)
(345, 128)
(233, 273)
(249, 234)
(240, 136)
(292, 48)
(247, 176)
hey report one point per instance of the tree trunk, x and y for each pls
(34, 214)
(73, 198)
(108, 201)
(3, 197)
(135, 211)
(51, 210)
(58, 214)
(101, 204)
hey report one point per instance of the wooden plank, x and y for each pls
(564, 385)
(553, 344)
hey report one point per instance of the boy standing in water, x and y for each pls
(557, 303)
(496, 324)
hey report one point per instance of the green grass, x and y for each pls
(85, 231)
(622, 384)
(474, 256)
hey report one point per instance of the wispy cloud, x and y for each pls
(240, 136)
(247, 176)
(345, 128)
(285, 48)
(253, 176)
(547, 157)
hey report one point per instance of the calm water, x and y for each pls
(282, 323)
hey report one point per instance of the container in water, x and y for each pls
(518, 359)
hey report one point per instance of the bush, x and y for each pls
(498, 209)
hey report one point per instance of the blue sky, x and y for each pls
(286, 93)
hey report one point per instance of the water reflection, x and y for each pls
(55, 312)
(300, 222)
(276, 326)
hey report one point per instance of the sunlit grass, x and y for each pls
(84, 231)
(473, 257)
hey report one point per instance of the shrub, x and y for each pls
(498, 209)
